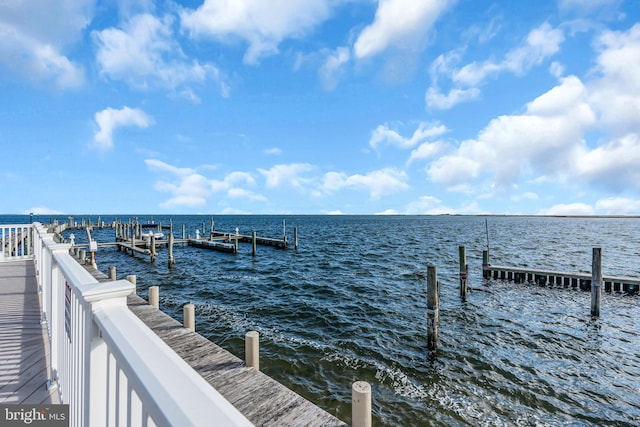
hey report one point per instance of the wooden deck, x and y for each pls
(23, 340)
(263, 400)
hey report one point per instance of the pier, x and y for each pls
(80, 338)
(559, 279)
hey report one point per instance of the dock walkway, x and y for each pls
(23, 339)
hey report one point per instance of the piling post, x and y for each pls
(254, 243)
(83, 256)
(252, 349)
(183, 232)
(153, 247)
(295, 238)
(462, 251)
(189, 317)
(133, 279)
(433, 314)
(154, 296)
(112, 272)
(596, 282)
(361, 404)
(485, 264)
(171, 258)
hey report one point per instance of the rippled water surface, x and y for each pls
(350, 305)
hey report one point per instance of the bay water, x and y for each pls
(350, 304)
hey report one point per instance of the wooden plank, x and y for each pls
(23, 340)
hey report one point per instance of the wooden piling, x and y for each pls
(433, 314)
(295, 238)
(361, 404)
(133, 279)
(170, 243)
(153, 247)
(189, 315)
(252, 349)
(596, 282)
(154, 296)
(254, 243)
(112, 272)
(485, 264)
(184, 235)
(462, 252)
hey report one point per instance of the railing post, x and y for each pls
(361, 404)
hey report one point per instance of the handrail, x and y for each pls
(107, 364)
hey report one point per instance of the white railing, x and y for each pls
(16, 242)
(107, 364)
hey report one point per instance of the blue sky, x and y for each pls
(320, 106)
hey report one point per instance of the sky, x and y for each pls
(320, 107)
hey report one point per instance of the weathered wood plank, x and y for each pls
(23, 340)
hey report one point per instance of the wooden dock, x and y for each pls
(559, 279)
(263, 400)
(23, 339)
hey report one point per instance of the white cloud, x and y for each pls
(398, 23)
(186, 186)
(427, 150)
(563, 209)
(439, 101)
(618, 206)
(616, 93)
(275, 151)
(145, 55)
(540, 44)
(287, 175)
(331, 69)
(110, 119)
(383, 135)
(34, 38)
(261, 24)
(378, 183)
(41, 210)
(614, 165)
(544, 140)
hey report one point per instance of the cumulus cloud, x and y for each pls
(427, 150)
(42, 210)
(568, 209)
(262, 25)
(378, 183)
(545, 139)
(618, 206)
(110, 119)
(541, 43)
(186, 186)
(33, 40)
(384, 135)
(189, 188)
(287, 175)
(398, 23)
(145, 55)
(332, 67)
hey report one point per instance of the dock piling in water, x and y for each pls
(433, 314)
(112, 272)
(596, 282)
(462, 251)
